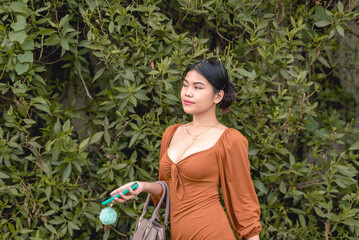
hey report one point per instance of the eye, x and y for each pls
(197, 88)
(184, 85)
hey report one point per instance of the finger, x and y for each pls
(120, 200)
(124, 197)
(131, 192)
(121, 189)
(117, 191)
(134, 193)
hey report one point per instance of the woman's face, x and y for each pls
(197, 94)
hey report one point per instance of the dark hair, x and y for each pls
(215, 73)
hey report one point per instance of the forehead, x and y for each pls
(195, 77)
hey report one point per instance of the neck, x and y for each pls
(205, 119)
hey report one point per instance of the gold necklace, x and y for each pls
(194, 137)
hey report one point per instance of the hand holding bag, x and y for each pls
(150, 229)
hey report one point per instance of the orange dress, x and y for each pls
(196, 211)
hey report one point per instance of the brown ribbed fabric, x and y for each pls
(196, 212)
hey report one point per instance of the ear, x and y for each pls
(218, 96)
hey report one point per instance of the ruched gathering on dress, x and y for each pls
(196, 211)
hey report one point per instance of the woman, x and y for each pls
(197, 157)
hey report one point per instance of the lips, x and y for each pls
(186, 102)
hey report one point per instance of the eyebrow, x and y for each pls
(195, 82)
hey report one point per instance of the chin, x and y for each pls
(188, 111)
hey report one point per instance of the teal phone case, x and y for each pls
(134, 186)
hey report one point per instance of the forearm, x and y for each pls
(152, 188)
(254, 238)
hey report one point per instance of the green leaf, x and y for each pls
(21, 68)
(133, 139)
(57, 126)
(260, 186)
(319, 212)
(18, 7)
(351, 222)
(331, 34)
(28, 56)
(49, 213)
(144, 173)
(25, 231)
(270, 167)
(20, 24)
(340, 7)
(64, 20)
(66, 173)
(11, 227)
(111, 27)
(65, 44)
(29, 121)
(282, 188)
(84, 144)
(245, 73)
(67, 126)
(129, 75)
(98, 74)
(355, 146)
(340, 30)
(48, 145)
(51, 228)
(322, 23)
(57, 221)
(4, 88)
(48, 191)
(73, 196)
(39, 100)
(73, 225)
(3, 175)
(107, 138)
(253, 152)
(141, 96)
(129, 212)
(47, 168)
(43, 107)
(120, 166)
(46, 31)
(19, 36)
(95, 138)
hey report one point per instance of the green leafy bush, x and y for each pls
(88, 88)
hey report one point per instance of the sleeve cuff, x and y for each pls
(250, 231)
(156, 199)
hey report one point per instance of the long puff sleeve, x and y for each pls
(166, 139)
(239, 195)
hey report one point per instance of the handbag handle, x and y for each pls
(155, 215)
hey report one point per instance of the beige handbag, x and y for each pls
(151, 229)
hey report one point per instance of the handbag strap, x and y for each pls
(155, 215)
(167, 211)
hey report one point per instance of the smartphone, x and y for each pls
(134, 186)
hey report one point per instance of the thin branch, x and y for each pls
(49, 63)
(256, 7)
(83, 82)
(121, 234)
(119, 133)
(223, 36)
(42, 47)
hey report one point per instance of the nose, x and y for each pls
(188, 92)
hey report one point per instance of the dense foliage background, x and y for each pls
(88, 88)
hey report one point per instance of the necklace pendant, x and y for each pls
(194, 138)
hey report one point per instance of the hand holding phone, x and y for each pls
(133, 187)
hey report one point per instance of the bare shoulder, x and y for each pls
(221, 127)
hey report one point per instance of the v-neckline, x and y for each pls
(210, 148)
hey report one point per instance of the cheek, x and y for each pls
(182, 92)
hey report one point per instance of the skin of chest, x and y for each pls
(182, 145)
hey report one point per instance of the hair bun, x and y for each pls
(229, 97)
